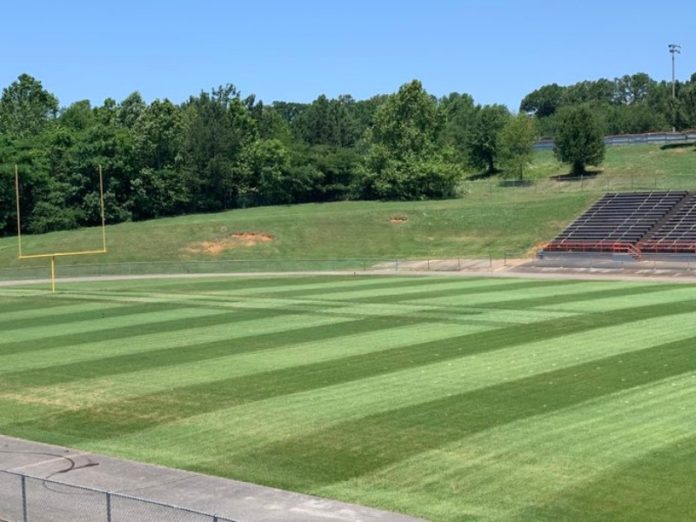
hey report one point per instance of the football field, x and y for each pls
(443, 397)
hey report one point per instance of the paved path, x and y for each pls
(516, 270)
(231, 499)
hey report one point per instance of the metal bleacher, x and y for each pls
(619, 222)
(677, 233)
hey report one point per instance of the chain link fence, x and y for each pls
(164, 268)
(24, 498)
(592, 182)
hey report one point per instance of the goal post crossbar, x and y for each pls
(53, 255)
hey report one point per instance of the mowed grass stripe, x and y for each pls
(275, 418)
(197, 318)
(21, 303)
(167, 357)
(243, 283)
(141, 317)
(208, 301)
(398, 295)
(316, 286)
(336, 294)
(148, 410)
(99, 348)
(534, 460)
(547, 296)
(380, 285)
(20, 356)
(359, 447)
(76, 393)
(249, 286)
(658, 486)
(12, 319)
(100, 315)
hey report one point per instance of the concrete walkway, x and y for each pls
(230, 499)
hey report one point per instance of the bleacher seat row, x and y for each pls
(633, 222)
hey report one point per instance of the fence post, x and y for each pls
(25, 516)
(108, 507)
(428, 265)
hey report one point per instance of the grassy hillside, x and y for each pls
(491, 217)
(452, 399)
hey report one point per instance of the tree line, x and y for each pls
(220, 150)
(630, 104)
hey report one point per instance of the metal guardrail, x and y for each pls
(24, 498)
(634, 139)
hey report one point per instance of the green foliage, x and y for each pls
(544, 101)
(219, 150)
(579, 140)
(218, 131)
(407, 123)
(482, 138)
(404, 160)
(628, 104)
(329, 122)
(458, 112)
(515, 143)
(26, 107)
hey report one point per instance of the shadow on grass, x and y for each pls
(588, 174)
(686, 145)
(488, 174)
(516, 183)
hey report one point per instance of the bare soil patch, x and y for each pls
(235, 240)
(398, 220)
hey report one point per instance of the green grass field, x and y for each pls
(490, 218)
(447, 398)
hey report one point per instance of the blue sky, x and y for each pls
(295, 50)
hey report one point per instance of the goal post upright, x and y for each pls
(53, 255)
(19, 221)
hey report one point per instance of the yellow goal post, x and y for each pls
(53, 255)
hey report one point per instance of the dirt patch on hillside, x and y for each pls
(236, 240)
(398, 220)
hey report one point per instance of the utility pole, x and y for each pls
(674, 49)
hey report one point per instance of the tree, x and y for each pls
(78, 116)
(515, 143)
(544, 101)
(157, 134)
(482, 140)
(407, 123)
(633, 88)
(404, 160)
(459, 114)
(579, 140)
(26, 107)
(130, 109)
(219, 129)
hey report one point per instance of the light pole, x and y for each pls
(674, 49)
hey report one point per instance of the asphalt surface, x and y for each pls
(52, 495)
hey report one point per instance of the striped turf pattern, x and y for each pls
(448, 398)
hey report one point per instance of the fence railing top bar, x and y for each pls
(113, 494)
